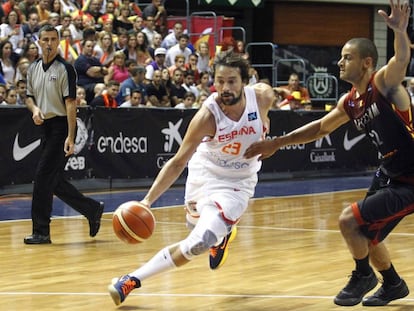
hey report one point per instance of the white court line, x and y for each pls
(195, 295)
(177, 295)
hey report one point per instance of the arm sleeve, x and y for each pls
(70, 90)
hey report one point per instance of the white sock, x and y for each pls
(161, 262)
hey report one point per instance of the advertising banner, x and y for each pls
(19, 146)
(345, 148)
(134, 143)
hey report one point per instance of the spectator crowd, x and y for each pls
(124, 56)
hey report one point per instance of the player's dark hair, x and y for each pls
(233, 59)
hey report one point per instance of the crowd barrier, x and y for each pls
(135, 144)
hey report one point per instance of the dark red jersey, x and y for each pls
(389, 129)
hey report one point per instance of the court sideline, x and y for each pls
(288, 255)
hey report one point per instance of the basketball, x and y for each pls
(133, 222)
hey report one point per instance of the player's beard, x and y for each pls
(234, 100)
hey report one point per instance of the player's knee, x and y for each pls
(201, 245)
(191, 221)
(347, 220)
(343, 218)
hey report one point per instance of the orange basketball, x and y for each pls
(133, 222)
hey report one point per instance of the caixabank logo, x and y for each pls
(323, 151)
(172, 138)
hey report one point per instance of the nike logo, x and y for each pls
(19, 153)
(349, 143)
(223, 128)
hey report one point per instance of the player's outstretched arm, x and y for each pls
(304, 134)
(201, 125)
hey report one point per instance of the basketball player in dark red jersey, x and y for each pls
(379, 105)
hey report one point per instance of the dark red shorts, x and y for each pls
(383, 208)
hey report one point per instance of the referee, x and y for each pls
(51, 91)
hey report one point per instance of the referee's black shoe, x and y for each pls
(387, 293)
(356, 289)
(95, 220)
(37, 239)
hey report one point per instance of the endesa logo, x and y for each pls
(122, 144)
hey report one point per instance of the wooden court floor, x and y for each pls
(288, 255)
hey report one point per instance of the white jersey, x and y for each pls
(222, 155)
(218, 172)
(220, 180)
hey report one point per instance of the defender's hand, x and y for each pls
(399, 17)
(264, 148)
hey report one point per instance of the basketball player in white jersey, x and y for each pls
(220, 181)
